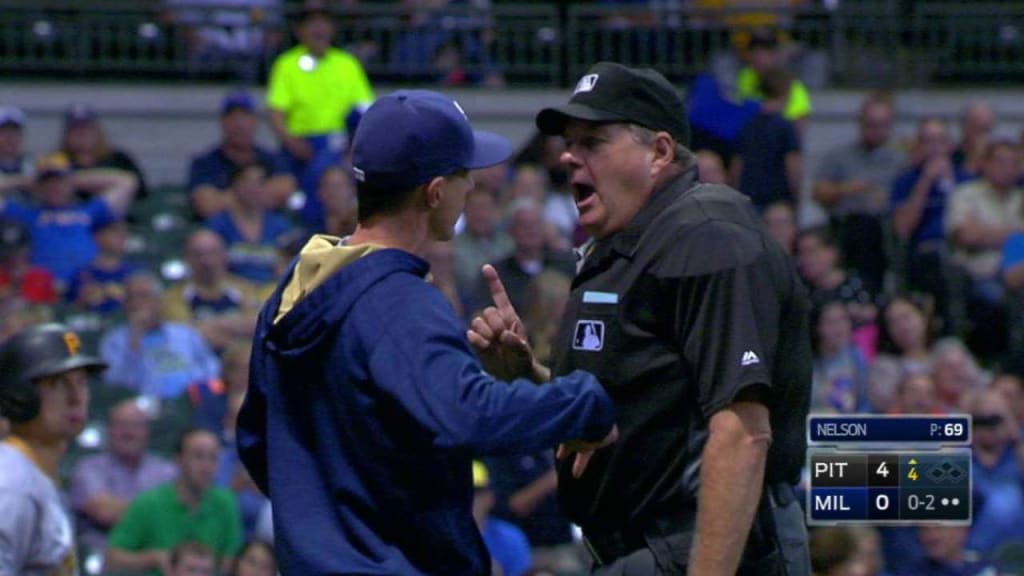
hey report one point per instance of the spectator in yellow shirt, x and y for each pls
(315, 91)
(763, 53)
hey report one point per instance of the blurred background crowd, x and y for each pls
(915, 263)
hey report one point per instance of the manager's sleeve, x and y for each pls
(426, 364)
(727, 329)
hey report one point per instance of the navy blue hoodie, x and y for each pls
(365, 409)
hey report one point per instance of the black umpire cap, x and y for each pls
(611, 92)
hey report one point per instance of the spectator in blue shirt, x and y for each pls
(62, 226)
(998, 482)
(918, 204)
(210, 173)
(768, 165)
(149, 355)
(249, 229)
(945, 555)
(505, 542)
(1011, 267)
(99, 287)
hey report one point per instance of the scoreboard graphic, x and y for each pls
(862, 472)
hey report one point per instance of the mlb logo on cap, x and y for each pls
(611, 92)
(586, 84)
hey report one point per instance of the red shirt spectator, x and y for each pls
(19, 278)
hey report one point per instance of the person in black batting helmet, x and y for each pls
(44, 393)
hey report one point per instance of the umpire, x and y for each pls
(695, 322)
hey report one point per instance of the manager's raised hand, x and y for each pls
(499, 337)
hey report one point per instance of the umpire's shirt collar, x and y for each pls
(626, 241)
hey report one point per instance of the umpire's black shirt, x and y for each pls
(688, 305)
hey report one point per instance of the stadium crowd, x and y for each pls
(916, 281)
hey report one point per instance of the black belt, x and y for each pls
(606, 546)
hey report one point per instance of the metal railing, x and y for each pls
(863, 42)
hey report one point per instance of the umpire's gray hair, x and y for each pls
(683, 157)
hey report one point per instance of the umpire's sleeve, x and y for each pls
(726, 325)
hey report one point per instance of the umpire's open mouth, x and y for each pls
(582, 191)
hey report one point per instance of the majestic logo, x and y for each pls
(589, 336)
(586, 84)
(72, 343)
(749, 357)
(359, 174)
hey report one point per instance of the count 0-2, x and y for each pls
(947, 430)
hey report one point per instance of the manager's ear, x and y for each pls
(433, 192)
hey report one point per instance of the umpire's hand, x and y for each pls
(584, 451)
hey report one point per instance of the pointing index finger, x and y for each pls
(498, 293)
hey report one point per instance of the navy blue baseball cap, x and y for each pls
(409, 137)
(79, 114)
(238, 100)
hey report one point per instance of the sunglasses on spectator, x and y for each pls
(987, 420)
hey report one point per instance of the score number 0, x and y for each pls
(882, 500)
(948, 430)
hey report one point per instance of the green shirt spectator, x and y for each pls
(188, 509)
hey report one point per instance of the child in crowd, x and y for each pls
(840, 371)
(99, 287)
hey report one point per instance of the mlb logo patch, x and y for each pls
(589, 336)
(586, 84)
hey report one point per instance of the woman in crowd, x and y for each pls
(840, 370)
(903, 349)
